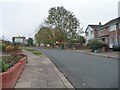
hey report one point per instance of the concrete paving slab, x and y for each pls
(24, 85)
(40, 72)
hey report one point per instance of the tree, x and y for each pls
(45, 36)
(80, 39)
(63, 21)
(30, 42)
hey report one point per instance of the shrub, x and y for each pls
(12, 59)
(3, 67)
(8, 61)
(0, 47)
(3, 46)
(9, 48)
(96, 44)
(16, 47)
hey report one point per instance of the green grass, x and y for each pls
(28, 49)
(34, 51)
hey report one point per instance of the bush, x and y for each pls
(8, 61)
(3, 67)
(95, 44)
(9, 48)
(16, 47)
(3, 46)
(12, 59)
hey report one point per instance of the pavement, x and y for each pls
(109, 54)
(40, 72)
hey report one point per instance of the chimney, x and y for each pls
(99, 23)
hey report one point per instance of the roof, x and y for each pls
(113, 21)
(19, 37)
(95, 27)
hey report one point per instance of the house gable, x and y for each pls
(89, 33)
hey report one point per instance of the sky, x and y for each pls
(24, 17)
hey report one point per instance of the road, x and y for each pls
(83, 70)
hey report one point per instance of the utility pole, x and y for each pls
(3, 38)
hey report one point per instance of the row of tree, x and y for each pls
(61, 27)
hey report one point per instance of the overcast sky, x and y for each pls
(23, 17)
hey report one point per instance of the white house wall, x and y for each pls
(89, 36)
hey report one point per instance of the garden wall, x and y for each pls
(9, 78)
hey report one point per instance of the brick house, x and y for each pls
(109, 33)
(119, 9)
(92, 32)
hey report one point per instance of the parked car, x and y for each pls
(116, 47)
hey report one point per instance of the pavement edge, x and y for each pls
(90, 53)
(61, 76)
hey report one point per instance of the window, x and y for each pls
(101, 31)
(86, 33)
(103, 39)
(91, 32)
(112, 27)
(119, 39)
(112, 39)
(119, 25)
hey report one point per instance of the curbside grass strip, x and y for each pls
(33, 51)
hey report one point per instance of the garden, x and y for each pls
(97, 46)
(12, 63)
(9, 47)
(9, 61)
(10, 55)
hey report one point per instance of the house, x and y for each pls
(109, 33)
(20, 40)
(119, 9)
(92, 32)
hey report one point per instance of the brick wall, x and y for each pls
(10, 77)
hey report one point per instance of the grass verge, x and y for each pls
(28, 49)
(34, 51)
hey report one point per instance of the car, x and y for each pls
(116, 47)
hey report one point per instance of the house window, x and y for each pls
(119, 39)
(112, 39)
(91, 32)
(112, 27)
(103, 39)
(86, 33)
(101, 31)
(119, 25)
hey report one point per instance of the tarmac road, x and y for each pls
(83, 70)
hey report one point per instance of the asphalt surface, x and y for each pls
(83, 70)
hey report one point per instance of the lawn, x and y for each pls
(34, 51)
